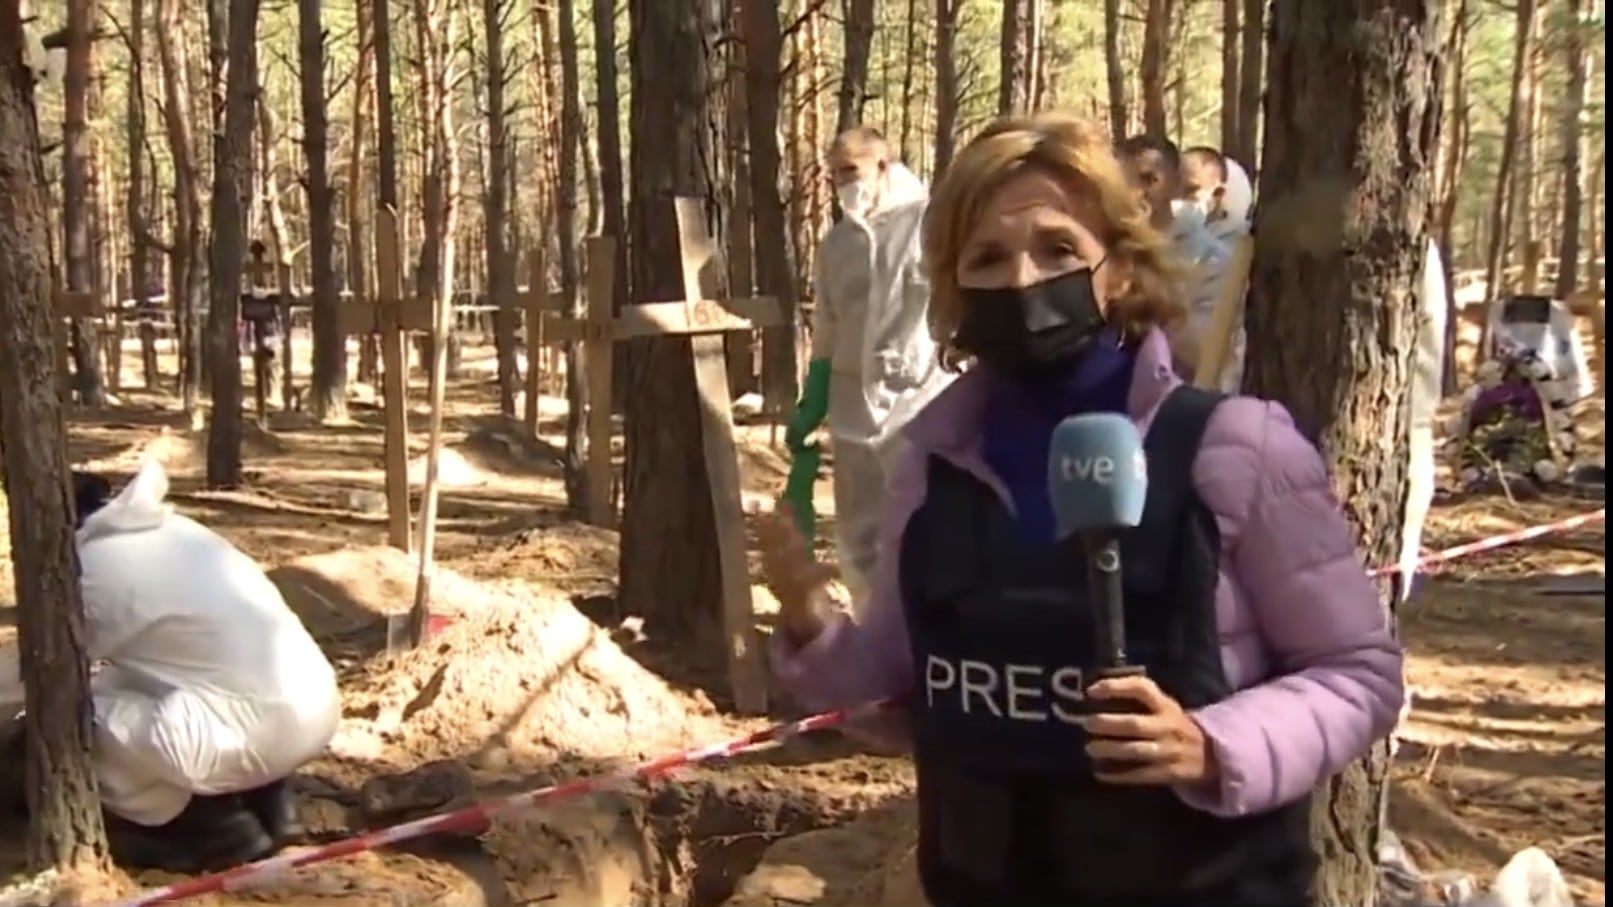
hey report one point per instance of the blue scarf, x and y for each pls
(1020, 419)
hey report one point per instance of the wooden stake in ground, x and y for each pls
(419, 615)
(536, 302)
(391, 315)
(704, 319)
(389, 318)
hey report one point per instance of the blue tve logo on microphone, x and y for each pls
(1096, 474)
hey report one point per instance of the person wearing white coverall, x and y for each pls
(1427, 389)
(1155, 167)
(212, 692)
(873, 361)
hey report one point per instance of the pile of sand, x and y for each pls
(518, 680)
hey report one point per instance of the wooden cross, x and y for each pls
(67, 305)
(539, 305)
(705, 320)
(391, 314)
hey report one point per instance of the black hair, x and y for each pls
(1165, 148)
(90, 493)
(1212, 155)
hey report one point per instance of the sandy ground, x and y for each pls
(535, 680)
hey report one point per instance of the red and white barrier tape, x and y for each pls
(1501, 541)
(471, 818)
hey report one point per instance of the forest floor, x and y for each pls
(537, 679)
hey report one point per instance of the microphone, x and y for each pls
(1098, 481)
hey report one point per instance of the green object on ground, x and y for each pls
(798, 489)
(813, 406)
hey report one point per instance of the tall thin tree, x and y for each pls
(328, 391)
(232, 29)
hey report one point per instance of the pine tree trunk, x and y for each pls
(775, 274)
(1352, 122)
(327, 392)
(65, 829)
(78, 205)
(1573, 129)
(571, 123)
(501, 252)
(233, 51)
(669, 561)
(859, 39)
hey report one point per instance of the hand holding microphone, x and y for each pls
(1098, 481)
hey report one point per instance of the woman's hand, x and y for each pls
(1158, 743)
(793, 576)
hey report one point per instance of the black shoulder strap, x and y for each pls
(1170, 447)
(1176, 432)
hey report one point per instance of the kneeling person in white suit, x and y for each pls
(213, 692)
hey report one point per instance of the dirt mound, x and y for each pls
(454, 470)
(343, 591)
(505, 446)
(520, 677)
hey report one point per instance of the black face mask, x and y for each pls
(1031, 332)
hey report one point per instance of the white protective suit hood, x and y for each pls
(212, 684)
(902, 187)
(871, 323)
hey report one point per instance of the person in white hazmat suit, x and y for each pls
(1426, 390)
(1155, 167)
(211, 694)
(873, 361)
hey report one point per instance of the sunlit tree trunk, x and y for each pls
(1577, 51)
(571, 123)
(946, 82)
(859, 37)
(501, 253)
(1013, 57)
(64, 828)
(1353, 104)
(233, 53)
(78, 177)
(1495, 256)
(1114, 70)
(185, 261)
(327, 392)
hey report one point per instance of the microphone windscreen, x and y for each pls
(1096, 474)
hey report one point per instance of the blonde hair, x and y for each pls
(1077, 154)
(861, 141)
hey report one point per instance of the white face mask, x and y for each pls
(856, 199)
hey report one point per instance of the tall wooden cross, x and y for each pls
(705, 319)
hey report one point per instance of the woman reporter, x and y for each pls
(1269, 661)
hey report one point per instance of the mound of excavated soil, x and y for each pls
(342, 591)
(505, 446)
(519, 678)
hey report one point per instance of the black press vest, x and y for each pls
(1009, 812)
